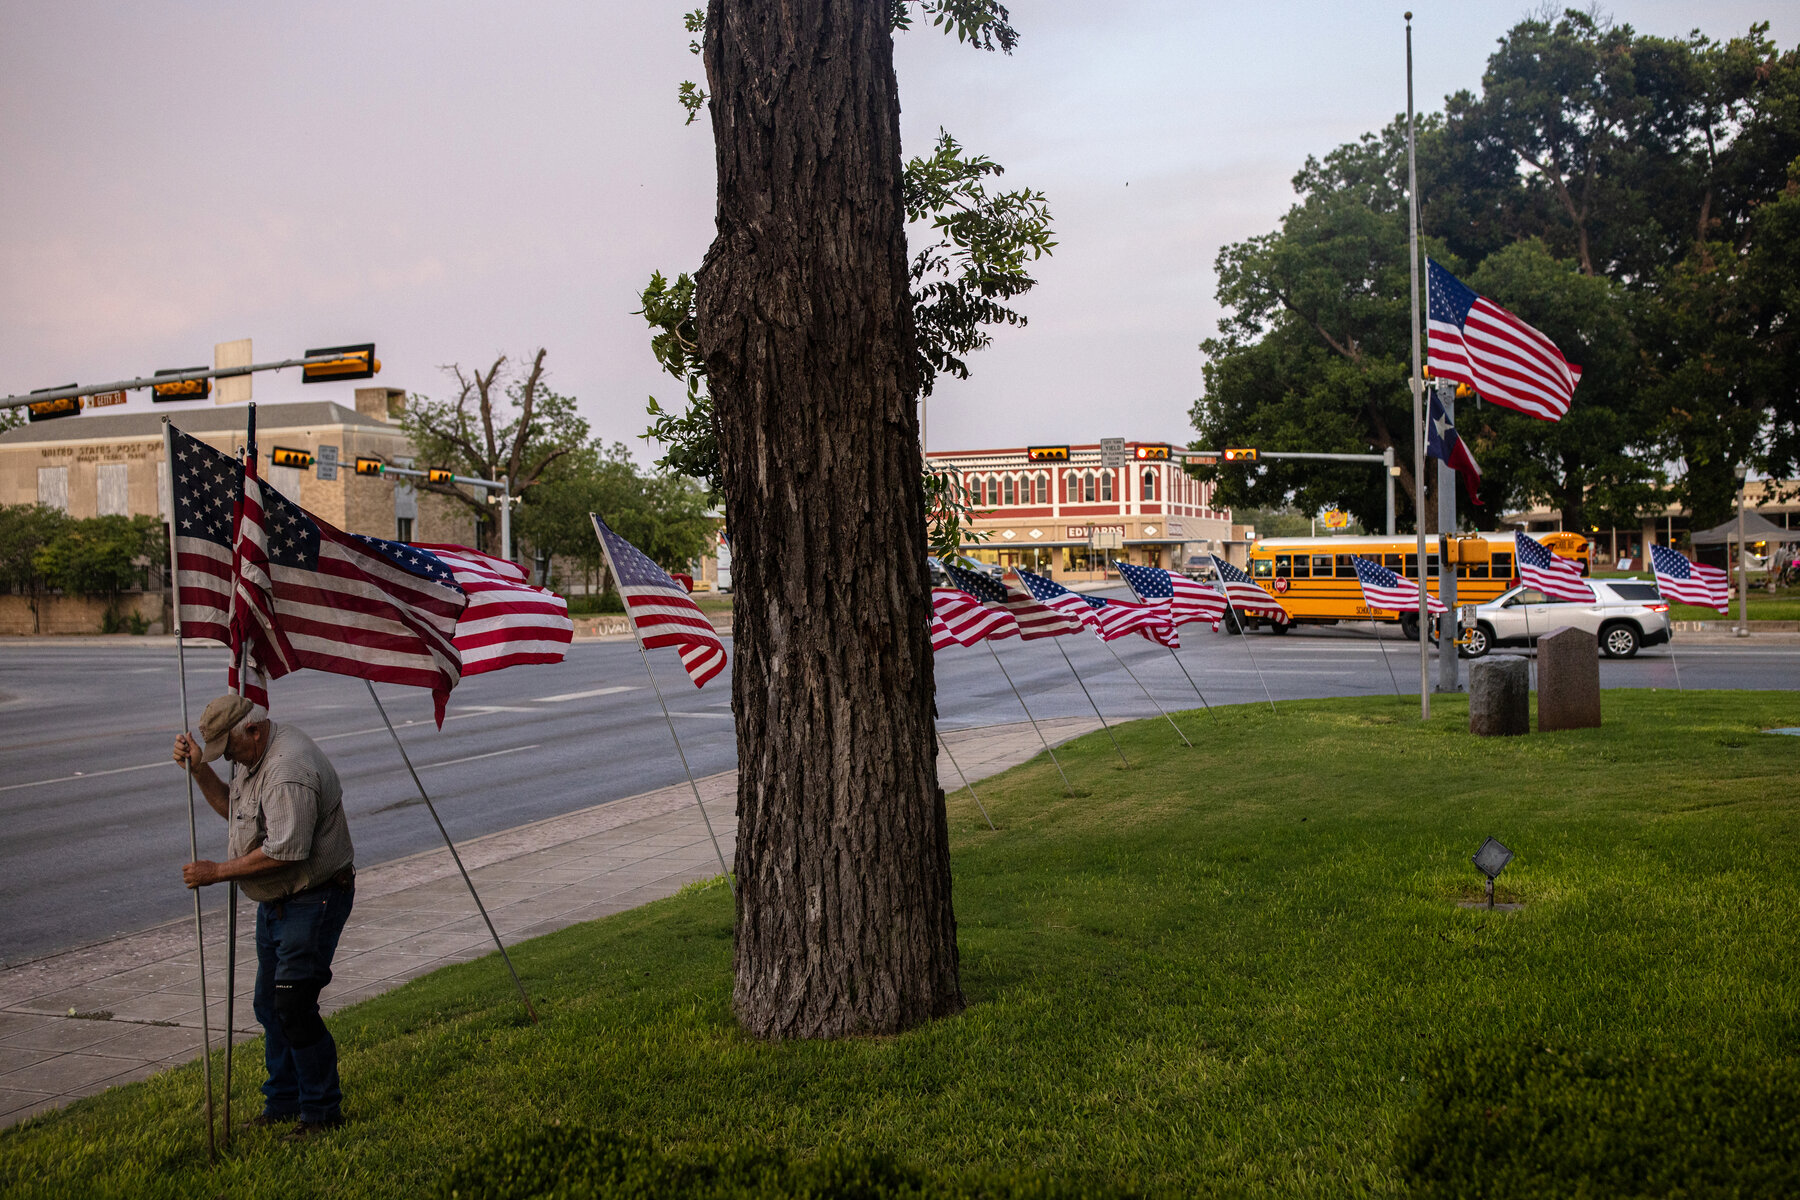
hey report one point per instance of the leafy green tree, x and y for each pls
(503, 423)
(25, 531)
(99, 556)
(804, 318)
(974, 260)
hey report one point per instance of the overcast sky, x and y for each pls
(457, 180)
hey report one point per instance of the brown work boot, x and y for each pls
(307, 1130)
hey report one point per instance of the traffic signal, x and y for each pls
(1147, 453)
(370, 466)
(183, 389)
(353, 362)
(1241, 455)
(1047, 453)
(281, 456)
(440, 475)
(50, 410)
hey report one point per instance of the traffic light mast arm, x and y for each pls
(1374, 458)
(496, 484)
(132, 385)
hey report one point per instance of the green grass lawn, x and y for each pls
(1224, 971)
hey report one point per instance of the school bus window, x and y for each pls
(1321, 566)
(1345, 568)
(1301, 571)
(1410, 566)
(1431, 563)
(1392, 562)
(1501, 567)
(1260, 568)
(1284, 566)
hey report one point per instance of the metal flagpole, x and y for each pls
(1418, 377)
(451, 846)
(193, 832)
(1191, 683)
(1029, 717)
(1375, 632)
(639, 639)
(231, 888)
(1090, 699)
(1147, 695)
(966, 783)
(1245, 634)
(684, 762)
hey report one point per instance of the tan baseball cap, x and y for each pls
(221, 717)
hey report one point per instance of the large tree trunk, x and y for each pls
(804, 317)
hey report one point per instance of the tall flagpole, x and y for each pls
(1090, 699)
(193, 832)
(639, 639)
(1029, 717)
(1192, 684)
(1418, 376)
(242, 656)
(469, 883)
(1147, 695)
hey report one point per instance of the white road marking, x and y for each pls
(605, 691)
(451, 762)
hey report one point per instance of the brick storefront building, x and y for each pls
(1060, 515)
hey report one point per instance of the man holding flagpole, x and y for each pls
(290, 850)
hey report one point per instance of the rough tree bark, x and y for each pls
(804, 318)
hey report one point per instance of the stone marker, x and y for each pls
(1568, 680)
(1499, 698)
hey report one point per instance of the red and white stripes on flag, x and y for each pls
(508, 622)
(1152, 621)
(660, 609)
(1475, 341)
(309, 595)
(967, 620)
(1679, 577)
(1547, 571)
(1242, 591)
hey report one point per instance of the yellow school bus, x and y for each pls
(1315, 580)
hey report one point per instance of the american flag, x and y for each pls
(660, 609)
(309, 595)
(1475, 341)
(1548, 573)
(1116, 618)
(1187, 600)
(204, 484)
(1243, 592)
(1035, 620)
(1054, 595)
(1383, 589)
(967, 620)
(508, 622)
(1446, 445)
(1679, 578)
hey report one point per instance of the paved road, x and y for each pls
(93, 815)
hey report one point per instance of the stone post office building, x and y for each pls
(104, 463)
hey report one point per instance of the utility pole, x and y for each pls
(1743, 629)
(1418, 375)
(1449, 665)
(1391, 470)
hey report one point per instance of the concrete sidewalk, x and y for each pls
(76, 1023)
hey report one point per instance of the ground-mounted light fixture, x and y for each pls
(1491, 859)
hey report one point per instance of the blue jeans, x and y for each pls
(295, 941)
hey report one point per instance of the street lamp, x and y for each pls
(1742, 471)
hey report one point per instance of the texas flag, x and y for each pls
(1443, 443)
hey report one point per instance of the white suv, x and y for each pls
(1625, 615)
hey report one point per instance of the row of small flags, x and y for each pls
(289, 591)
